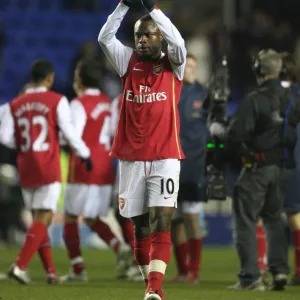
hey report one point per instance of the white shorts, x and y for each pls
(187, 207)
(87, 200)
(43, 197)
(147, 184)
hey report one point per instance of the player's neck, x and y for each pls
(153, 58)
(38, 85)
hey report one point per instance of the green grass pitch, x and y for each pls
(218, 271)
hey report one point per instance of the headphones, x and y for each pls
(257, 63)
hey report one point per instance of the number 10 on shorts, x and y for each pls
(167, 185)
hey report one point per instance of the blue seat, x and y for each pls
(3, 4)
(53, 5)
(41, 29)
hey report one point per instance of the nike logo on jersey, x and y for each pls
(136, 69)
(167, 198)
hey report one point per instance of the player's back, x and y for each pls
(36, 135)
(97, 136)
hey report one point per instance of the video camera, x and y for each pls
(216, 102)
(220, 88)
(218, 93)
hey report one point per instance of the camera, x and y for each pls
(220, 89)
(217, 120)
(218, 94)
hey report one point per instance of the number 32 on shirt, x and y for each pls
(39, 144)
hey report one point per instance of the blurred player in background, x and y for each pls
(186, 231)
(88, 194)
(147, 139)
(32, 127)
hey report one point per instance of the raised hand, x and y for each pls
(132, 3)
(148, 4)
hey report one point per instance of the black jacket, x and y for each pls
(257, 126)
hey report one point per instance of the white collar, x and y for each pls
(92, 92)
(39, 89)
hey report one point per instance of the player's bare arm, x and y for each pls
(118, 54)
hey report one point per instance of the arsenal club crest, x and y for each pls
(158, 69)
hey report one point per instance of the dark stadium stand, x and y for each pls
(38, 28)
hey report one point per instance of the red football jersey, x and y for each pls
(96, 133)
(37, 138)
(148, 127)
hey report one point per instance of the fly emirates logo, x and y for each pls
(145, 95)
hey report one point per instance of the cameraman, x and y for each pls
(186, 231)
(290, 174)
(255, 133)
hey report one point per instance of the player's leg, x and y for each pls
(132, 272)
(142, 244)
(180, 245)
(97, 205)
(191, 212)
(133, 204)
(261, 248)
(42, 201)
(33, 240)
(45, 254)
(294, 223)
(126, 226)
(162, 187)
(292, 208)
(73, 204)
(49, 195)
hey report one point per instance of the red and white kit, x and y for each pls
(147, 137)
(88, 193)
(31, 126)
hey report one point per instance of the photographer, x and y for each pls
(255, 133)
(186, 231)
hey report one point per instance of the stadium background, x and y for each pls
(64, 31)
